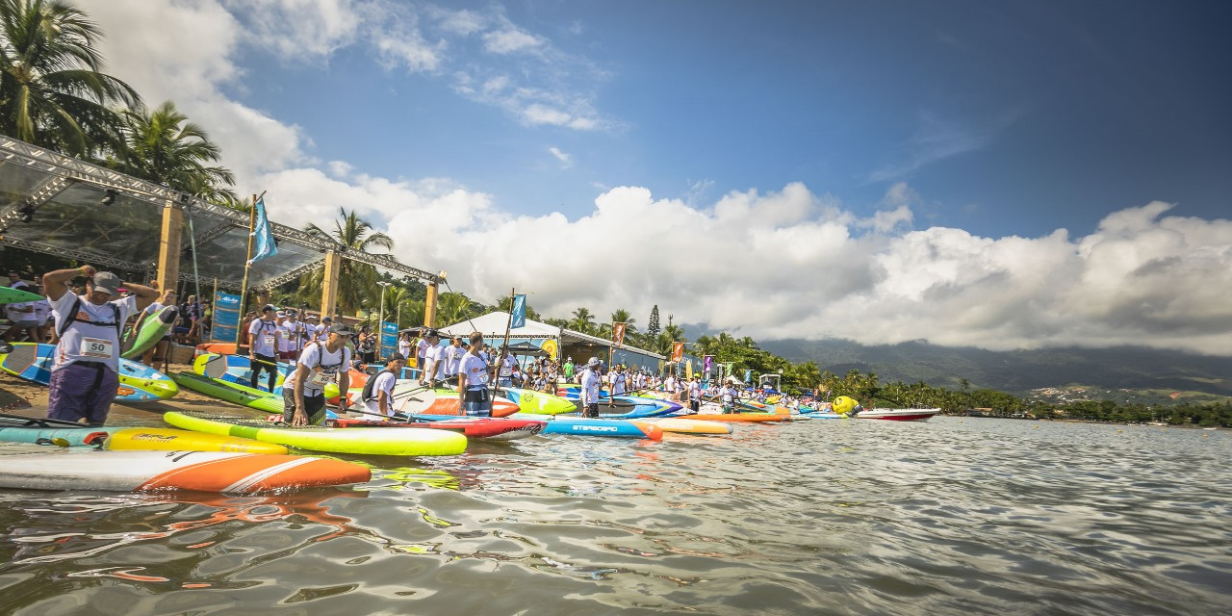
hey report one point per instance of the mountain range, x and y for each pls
(1016, 372)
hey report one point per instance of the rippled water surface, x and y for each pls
(950, 516)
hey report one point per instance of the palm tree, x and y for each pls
(51, 91)
(454, 308)
(356, 281)
(164, 147)
(582, 321)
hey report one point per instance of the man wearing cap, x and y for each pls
(695, 395)
(382, 390)
(293, 337)
(591, 383)
(473, 379)
(322, 330)
(264, 336)
(321, 363)
(435, 369)
(727, 396)
(85, 376)
(569, 368)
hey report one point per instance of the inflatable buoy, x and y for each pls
(843, 405)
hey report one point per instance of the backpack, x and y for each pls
(367, 395)
(72, 318)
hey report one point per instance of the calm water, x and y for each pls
(951, 516)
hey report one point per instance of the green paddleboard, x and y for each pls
(153, 328)
(230, 392)
(17, 296)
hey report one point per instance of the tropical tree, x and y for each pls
(164, 147)
(583, 321)
(52, 93)
(454, 308)
(356, 281)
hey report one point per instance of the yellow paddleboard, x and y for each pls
(168, 439)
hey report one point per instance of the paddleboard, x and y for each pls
(620, 428)
(683, 425)
(17, 296)
(370, 441)
(537, 402)
(739, 417)
(473, 427)
(153, 328)
(230, 392)
(27, 467)
(238, 369)
(138, 382)
(137, 439)
(410, 398)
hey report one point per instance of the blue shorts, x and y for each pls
(478, 403)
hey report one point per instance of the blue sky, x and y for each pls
(1008, 118)
(995, 174)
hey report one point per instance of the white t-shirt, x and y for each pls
(453, 358)
(42, 309)
(475, 370)
(93, 336)
(18, 312)
(404, 347)
(421, 352)
(433, 359)
(262, 337)
(322, 332)
(590, 387)
(323, 367)
(291, 336)
(508, 366)
(385, 381)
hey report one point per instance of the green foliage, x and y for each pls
(164, 147)
(652, 325)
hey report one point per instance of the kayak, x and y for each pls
(683, 425)
(138, 382)
(370, 441)
(473, 427)
(537, 402)
(623, 428)
(153, 328)
(897, 414)
(31, 467)
(230, 392)
(135, 439)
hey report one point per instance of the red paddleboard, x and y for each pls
(472, 427)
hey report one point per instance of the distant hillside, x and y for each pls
(1017, 372)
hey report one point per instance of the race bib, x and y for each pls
(482, 376)
(269, 340)
(95, 347)
(321, 378)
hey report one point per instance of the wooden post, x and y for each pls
(252, 223)
(430, 305)
(169, 247)
(329, 285)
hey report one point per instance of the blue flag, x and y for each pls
(266, 247)
(519, 312)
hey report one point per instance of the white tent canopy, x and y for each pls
(493, 324)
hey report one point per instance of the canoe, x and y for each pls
(621, 428)
(683, 425)
(153, 328)
(17, 296)
(137, 439)
(537, 402)
(230, 392)
(138, 382)
(30, 467)
(502, 429)
(368, 441)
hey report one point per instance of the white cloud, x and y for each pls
(566, 161)
(769, 264)
(299, 30)
(508, 41)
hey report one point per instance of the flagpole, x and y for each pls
(252, 228)
(508, 326)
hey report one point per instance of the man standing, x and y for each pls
(727, 397)
(264, 338)
(434, 356)
(569, 368)
(695, 395)
(293, 337)
(382, 390)
(507, 367)
(421, 359)
(591, 383)
(453, 359)
(21, 314)
(303, 393)
(85, 377)
(322, 330)
(473, 380)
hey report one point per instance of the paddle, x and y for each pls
(43, 422)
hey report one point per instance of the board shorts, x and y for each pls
(592, 410)
(314, 406)
(478, 403)
(82, 390)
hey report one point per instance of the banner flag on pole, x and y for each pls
(266, 247)
(707, 361)
(677, 352)
(519, 311)
(618, 333)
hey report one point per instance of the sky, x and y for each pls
(1002, 175)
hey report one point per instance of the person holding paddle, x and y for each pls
(378, 394)
(303, 393)
(473, 379)
(86, 374)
